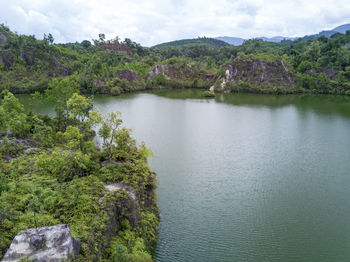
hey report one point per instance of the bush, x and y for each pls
(208, 94)
(116, 91)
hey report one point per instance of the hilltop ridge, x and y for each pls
(320, 65)
(328, 33)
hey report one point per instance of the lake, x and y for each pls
(245, 177)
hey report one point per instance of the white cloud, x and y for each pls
(156, 21)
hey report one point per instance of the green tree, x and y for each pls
(13, 117)
(105, 132)
(43, 135)
(63, 165)
(49, 38)
(102, 37)
(109, 130)
(36, 97)
(35, 204)
(3, 183)
(74, 138)
(86, 44)
(59, 92)
(120, 253)
(79, 106)
(124, 144)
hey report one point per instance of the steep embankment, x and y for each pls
(51, 172)
(250, 73)
(28, 64)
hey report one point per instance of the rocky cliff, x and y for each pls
(258, 72)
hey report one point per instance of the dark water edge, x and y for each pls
(245, 177)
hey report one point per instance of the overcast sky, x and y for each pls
(155, 21)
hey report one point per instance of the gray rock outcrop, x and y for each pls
(130, 202)
(54, 244)
(258, 72)
(3, 38)
(158, 69)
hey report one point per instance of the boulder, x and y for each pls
(53, 243)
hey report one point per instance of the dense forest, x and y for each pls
(320, 65)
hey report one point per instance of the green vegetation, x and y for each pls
(320, 65)
(52, 172)
(210, 42)
(208, 94)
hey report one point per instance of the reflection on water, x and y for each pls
(324, 104)
(245, 177)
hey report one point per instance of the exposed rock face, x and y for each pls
(54, 244)
(128, 75)
(120, 202)
(258, 72)
(6, 58)
(119, 186)
(174, 71)
(130, 201)
(330, 72)
(208, 77)
(99, 83)
(53, 63)
(22, 146)
(3, 38)
(158, 69)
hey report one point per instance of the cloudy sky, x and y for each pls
(155, 21)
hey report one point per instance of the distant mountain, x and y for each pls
(231, 40)
(328, 33)
(342, 29)
(196, 41)
(236, 41)
(239, 41)
(276, 39)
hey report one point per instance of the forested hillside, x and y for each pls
(198, 41)
(319, 65)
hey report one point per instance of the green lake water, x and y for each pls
(245, 177)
